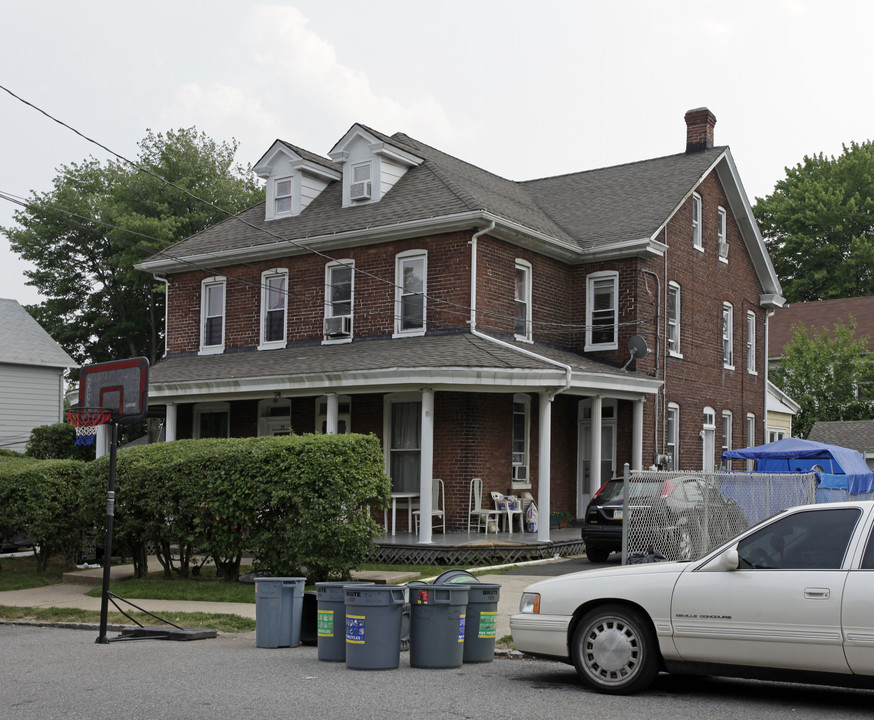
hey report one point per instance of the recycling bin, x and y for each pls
(481, 624)
(373, 626)
(331, 619)
(437, 625)
(278, 607)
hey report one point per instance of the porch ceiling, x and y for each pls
(459, 361)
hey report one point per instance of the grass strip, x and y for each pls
(214, 621)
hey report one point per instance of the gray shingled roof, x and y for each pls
(25, 342)
(460, 350)
(855, 434)
(626, 202)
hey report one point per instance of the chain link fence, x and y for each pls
(683, 515)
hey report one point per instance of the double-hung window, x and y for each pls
(212, 315)
(727, 336)
(602, 312)
(751, 342)
(521, 424)
(523, 301)
(411, 286)
(726, 431)
(674, 319)
(672, 437)
(339, 286)
(751, 438)
(274, 308)
(721, 237)
(282, 197)
(697, 242)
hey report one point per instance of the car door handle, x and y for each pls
(817, 593)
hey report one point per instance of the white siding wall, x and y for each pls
(29, 397)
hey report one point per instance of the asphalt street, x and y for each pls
(50, 673)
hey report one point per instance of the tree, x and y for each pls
(85, 235)
(826, 374)
(818, 225)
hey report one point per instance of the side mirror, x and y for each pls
(729, 560)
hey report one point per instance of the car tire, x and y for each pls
(686, 542)
(597, 554)
(614, 650)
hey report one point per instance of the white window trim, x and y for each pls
(751, 343)
(399, 283)
(209, 282)
(329, 313)
(727, 333)
(285, 213)
(729, 418)
(675, 352)
(697, 234)
(202, 408)
(525, 266)
(523, 484)
(721, 233)
(387, 403)
(674, 408)
(751, 439)
(590, 285)
(265, 293)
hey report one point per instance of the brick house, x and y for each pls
(479, 327)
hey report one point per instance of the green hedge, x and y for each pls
(54, 502)
(293, 502)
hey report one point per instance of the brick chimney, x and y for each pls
(699, 130)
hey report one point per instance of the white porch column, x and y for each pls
(595, 459)
(543, 473)
(426, 477)
(101, 440)
(637, 436)
(170, 422)
(333, 413)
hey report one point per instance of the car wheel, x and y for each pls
(614, 650)
(597, 554)
(685, 541)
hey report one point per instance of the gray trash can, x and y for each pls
(373, 626)
(481, 624)
(278, 609)
(331, 619)
(437, 625)
(455, 576)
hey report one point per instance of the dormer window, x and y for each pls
(282, 197)
(360, 188)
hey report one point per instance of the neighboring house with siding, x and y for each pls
(32, 367)
(856, 434)
(480, 327)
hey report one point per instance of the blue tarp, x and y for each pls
(839, 467)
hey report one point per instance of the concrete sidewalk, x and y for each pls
(71, 594)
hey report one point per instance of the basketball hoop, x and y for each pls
(86, 421)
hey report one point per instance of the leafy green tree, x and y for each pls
(826, 374)
(818, 225)
(85, 235)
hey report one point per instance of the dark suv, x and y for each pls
(681, 518)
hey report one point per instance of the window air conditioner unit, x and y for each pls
(340, 326)
(360, 190)
(723, 249)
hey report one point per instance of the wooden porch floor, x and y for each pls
(472, 549)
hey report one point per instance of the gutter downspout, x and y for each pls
(546, 396)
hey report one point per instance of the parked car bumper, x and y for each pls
(541, 634)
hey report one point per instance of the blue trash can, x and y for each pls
(278, 610)
(437, 625)
(373, 626)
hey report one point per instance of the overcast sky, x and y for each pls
(522, 89)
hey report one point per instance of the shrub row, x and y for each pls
(298, 504)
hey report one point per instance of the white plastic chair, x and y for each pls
(510, 513)
(476, 510)
(438, 506)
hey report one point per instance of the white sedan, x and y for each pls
(791, 598)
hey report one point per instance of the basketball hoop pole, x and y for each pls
(107, 545)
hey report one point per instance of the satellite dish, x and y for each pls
(638, 349)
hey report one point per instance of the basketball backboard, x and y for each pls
(121, 386)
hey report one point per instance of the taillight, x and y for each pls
(667, 488)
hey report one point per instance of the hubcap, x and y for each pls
(612, 650)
